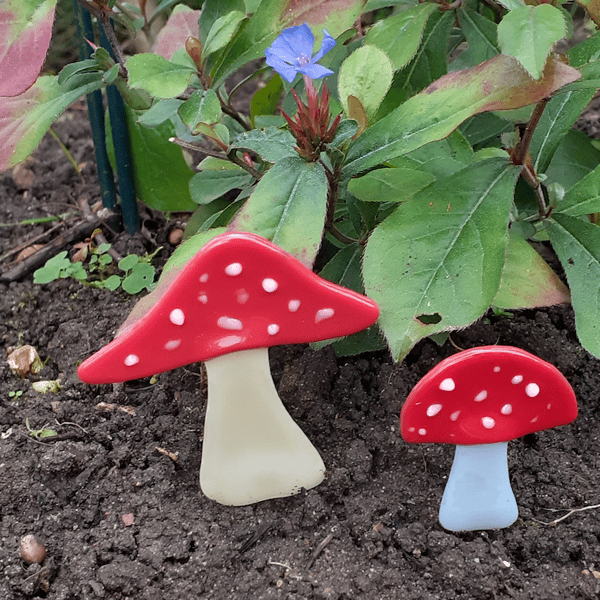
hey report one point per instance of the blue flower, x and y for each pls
(291, 53)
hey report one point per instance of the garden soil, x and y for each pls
(114, 496)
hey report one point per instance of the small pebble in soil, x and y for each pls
(32, 550)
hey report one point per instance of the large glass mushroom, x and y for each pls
(479, 400)
(239, 295)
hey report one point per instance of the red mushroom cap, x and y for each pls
(239, 292)
(487, 395)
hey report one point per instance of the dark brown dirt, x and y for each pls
(120, 519)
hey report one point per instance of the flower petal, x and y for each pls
(314, 71)
(282, 48)
(326, 46)
(300, 38)
(288, 72)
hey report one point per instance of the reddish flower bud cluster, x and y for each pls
(310, 127)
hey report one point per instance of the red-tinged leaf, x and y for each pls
(25, 32)
(527, 279)
(496, 84)
(327, 14)
(593, 8)
(182, 23)
(24, 119)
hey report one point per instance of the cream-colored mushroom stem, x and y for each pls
(252, 449)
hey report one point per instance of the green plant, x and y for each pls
(15, 394)
(138, 271)
(449, 149)
(40, 434)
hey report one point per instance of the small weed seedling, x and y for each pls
(40, 434)
(99, 272)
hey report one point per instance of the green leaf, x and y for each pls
(586, 51)
(222, 31)
(584, 197)
(444, 157)
(429, 62)
(498, 84)
(574, 159)
(484, 128)
(161, 111)
(345, 270)
(271, 143)
(346, 129)
(266, 99)
(529, 32)
(577, 245)
(557, 119)
(212, 11)
(26, 28)
(158, 76)
(140, 278)
(367, 75)
(201, 107)
(288, 207)
(435, 263)
(389, 185)
(128, 262)
(26, 118)
(207, 186)
(400, 35)
(481, 35)
(527, 279)
(84, 66)
(160, 172)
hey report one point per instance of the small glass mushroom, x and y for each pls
(479, 399)
(239, 295)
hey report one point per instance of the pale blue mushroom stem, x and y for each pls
(478, 494)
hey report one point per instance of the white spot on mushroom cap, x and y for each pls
(506, 409)
(324, 313)
(447, 385)
(177, 317)
(488, 422)
(229, 323)
(273, 328)
(516, 379)
(269, 285)
(242, 296)
(481, 396)
(454, 415)
(233, 269)
(203, 298)
(433, 410)
(172, 344)
(496, 369)
(532, 389)
(293, 305)
(230, 340)
(422, 431)
(204, 278)
(131, 360)
(534, 420)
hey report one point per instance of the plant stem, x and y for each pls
(234, 158)
(333, 181)
(522, 149)
(531, 179)
(67, 153)
(104, 19)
